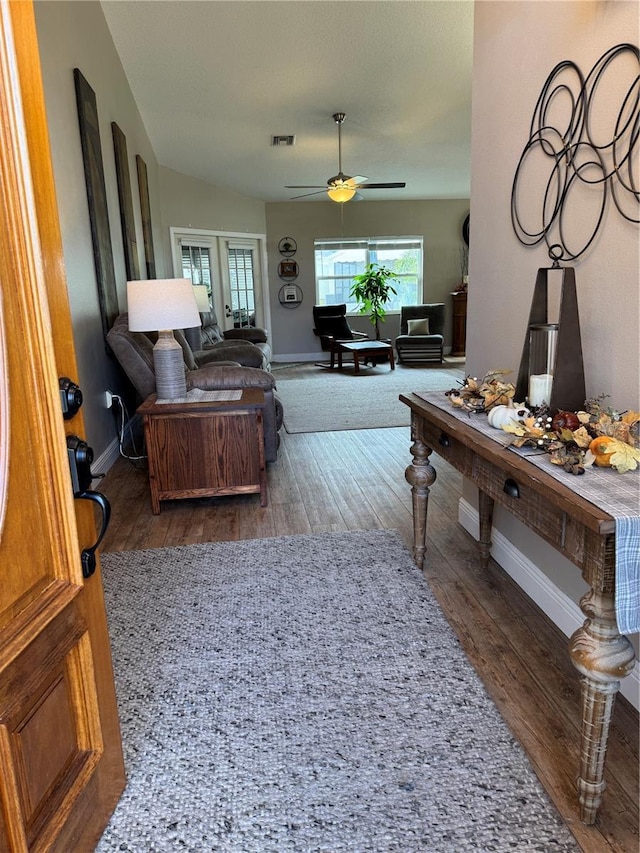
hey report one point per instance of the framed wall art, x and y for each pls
(145, 211)
(97, 199)
(126, 203)
(288, 269)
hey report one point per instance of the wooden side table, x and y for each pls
(459, 326)
(202, 446)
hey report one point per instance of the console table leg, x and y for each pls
(603, 657)
(420, 475)
(485, 515)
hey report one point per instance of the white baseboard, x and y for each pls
(300, 356)
(101, 464)
(562, 610)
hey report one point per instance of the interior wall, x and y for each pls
(438, 221)
(516, 46)
(75, 35)
(190, 203)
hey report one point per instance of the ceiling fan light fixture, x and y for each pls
(342, 191)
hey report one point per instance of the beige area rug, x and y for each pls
(316, 399)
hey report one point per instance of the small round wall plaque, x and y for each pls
(287, 247)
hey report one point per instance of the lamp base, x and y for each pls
(168, 363)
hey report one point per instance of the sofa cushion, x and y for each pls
(134, 352)
(241, 351)
(189, 360)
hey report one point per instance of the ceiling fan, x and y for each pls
(343, 187)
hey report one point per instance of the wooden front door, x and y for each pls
(61, 769)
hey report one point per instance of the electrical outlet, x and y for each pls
(108, 399)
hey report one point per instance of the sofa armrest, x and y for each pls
(214, 377)
(244, 352)
(254, 335)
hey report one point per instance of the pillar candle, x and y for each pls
(540, 389)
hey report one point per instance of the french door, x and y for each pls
(232, 268)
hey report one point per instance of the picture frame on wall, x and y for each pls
(145, 213)
(288, 269)
(96, 199)
(127, 220)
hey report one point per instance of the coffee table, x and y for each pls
(374, 350)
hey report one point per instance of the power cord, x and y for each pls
(125, 422)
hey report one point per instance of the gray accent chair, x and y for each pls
(206, 370)
(414, 345)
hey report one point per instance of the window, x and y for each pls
(196, 264)
(337, 261)
(241, 284)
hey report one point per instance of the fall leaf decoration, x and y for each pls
(481, 395)
(576, 449)
(623, 456)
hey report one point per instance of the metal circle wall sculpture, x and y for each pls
(583, 166)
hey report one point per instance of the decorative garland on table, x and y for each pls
(597, 435)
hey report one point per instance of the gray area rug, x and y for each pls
(305, 694)
(316, 399)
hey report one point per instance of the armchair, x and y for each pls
(419, 340)
(330, 324)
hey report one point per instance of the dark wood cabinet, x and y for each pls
(203, 446)
(459, 329)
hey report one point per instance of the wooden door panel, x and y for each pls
(53, 739)
(61, 770)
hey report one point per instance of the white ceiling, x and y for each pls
(214, 80)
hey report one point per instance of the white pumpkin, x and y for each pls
(500, 416)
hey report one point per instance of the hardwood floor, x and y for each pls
(355, 480)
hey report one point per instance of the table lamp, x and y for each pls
(162, 305)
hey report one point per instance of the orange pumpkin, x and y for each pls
(598, 448)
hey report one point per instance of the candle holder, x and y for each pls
(551, 368)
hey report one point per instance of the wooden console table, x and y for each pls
(202, 446)
(574, 526)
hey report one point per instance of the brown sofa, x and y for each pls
(208, 370)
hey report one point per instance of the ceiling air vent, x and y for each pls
(283, 140)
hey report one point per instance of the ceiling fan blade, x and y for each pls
(388, 186)
(304, 187)
(359, 179)
(304, 195)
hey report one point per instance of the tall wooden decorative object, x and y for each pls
(568, 388)
(97, 200)
(145, 212)
(129, 239)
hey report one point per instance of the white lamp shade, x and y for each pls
(161, 303)
(202, 298)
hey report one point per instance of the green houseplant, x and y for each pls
(372, 289)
